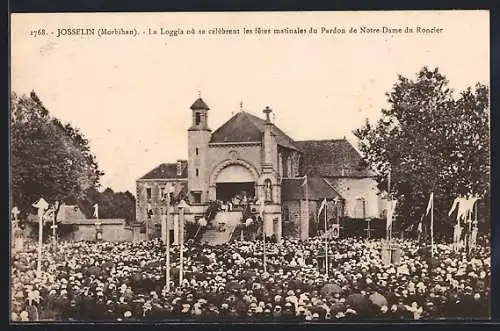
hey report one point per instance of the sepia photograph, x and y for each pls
(325, 166)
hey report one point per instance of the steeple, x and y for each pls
(198, 138)
(199, 104)
(200, 114)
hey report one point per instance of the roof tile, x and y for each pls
(318, 189)
(245, 127)
(167, 170)
(332, 158)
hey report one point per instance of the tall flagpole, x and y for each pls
(181, 207)
(432, 226)
(261, 212)
(264, 253)
(54, 226)
(307, 204)
(389, 209)
(326, 242)
(40, 243)
(167, 245)
(41, 205)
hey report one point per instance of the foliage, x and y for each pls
(49, 159)
(430, 141)
(211, 212)
(111, 204)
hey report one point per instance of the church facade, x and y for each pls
(250, 160)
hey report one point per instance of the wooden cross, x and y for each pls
(368, 229)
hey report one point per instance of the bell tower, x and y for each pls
(199, 136)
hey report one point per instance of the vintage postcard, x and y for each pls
(250, 166)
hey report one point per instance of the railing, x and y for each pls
(197, 232)
(232, 235)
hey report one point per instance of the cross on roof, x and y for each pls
(267, 111)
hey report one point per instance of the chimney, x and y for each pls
(179, 167)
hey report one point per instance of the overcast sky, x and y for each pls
(131, 95)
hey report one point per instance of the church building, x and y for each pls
(250, 160)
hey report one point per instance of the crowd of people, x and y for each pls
(104, 281)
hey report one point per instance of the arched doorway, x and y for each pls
(235, 182)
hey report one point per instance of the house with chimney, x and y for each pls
(250, 160)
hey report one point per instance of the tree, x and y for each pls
(48, 159)
(111, 204)
(430, 141)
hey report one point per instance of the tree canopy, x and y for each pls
(111, 204)
(431, 140)
(49, 159)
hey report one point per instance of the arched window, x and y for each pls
(268, 190)
(197, 118)
(197, 172)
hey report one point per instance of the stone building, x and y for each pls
(249, 158)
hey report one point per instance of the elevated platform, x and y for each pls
(223, 227)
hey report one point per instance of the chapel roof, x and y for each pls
(245, 127)
(332, 158)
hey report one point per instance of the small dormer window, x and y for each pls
(197, 118)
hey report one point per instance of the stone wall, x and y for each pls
(291, 219)
(249, 153)
(110, 232)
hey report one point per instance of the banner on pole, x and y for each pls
(430, 204)
(390, 212)
(335, 231)
(321, 207)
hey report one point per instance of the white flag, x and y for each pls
(393, 205)
(391, 210)
(429, 205)
(96, 210)
(323, 205)
(453, 206)
(305, 181)
(389, 215)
